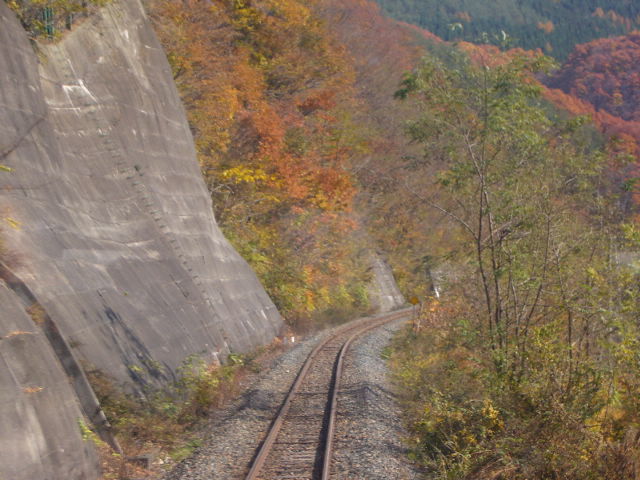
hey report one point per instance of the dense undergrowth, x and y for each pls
(528, 367)
(469, 421)
(166, 422)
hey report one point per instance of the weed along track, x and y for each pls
(300, 441)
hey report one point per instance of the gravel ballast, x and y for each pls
(236, 431)
(372, 449)
(370, 434)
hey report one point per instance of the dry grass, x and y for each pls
(170, 425)
(17, 333)
(31, 390)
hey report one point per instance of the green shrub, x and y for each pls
(468, 421)
(167, 418)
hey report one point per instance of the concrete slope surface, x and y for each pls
(114, 225)
(115, 259)
(110, 234)
(40, 433)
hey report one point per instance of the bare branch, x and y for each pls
(450, 214)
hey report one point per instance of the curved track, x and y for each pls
(299, 443)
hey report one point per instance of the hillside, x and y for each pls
(553, 26)
(619, 136)
(606, 74)
(272, 99)
(512, 207)
(600, 80)
(327, 142)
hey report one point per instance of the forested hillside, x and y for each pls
(599, 80)
(515, 204)
(606, 73)
(551, 25)
(270, 97)
(516, 373)
(481, 182)
(383, 52)
(300, 139)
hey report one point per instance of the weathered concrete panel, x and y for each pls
(40, 436)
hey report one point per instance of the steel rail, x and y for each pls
(333, 408)
(369, 323)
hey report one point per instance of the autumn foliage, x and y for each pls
(606, 73)
(589, 85)
(600, 79)
(502, 193)
(552, 25)
(270, 96)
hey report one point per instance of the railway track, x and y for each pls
(299, 443)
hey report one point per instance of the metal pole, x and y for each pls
(47, 16)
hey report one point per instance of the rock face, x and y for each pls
(112, 227)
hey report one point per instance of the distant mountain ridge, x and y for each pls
(555, 26)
